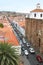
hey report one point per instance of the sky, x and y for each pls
(24, 6)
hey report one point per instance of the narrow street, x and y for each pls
(31, 60)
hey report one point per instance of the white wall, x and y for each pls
(37, 15)
(18, 49)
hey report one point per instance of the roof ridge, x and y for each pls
(37, 10)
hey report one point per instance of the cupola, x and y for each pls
(38, 6)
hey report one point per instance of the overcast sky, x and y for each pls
(19, 5)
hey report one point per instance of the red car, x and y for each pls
(38, 57)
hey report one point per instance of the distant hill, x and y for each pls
(9, 13)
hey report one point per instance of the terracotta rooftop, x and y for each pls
(37, 10)
(22, 24)
(8, 35)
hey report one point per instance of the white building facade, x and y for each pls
(36, 13)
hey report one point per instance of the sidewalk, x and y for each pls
(24, 60)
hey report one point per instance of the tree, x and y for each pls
(8, 55)
(1, 25)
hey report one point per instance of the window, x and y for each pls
(34, 15)
(40, 15)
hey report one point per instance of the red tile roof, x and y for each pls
(8, 34)
(37, 10)
(22, 24)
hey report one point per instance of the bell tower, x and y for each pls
(38, 6)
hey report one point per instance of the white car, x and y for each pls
(28, 45)
(26, 52)
(24, 41)
(31, 50)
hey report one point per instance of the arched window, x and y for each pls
(34, 15)
(40, 15)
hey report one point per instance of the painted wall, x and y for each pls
(37, 15)
(18, 49)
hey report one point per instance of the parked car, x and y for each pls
(22, 48)
(24, 41)
(26, 52)
(39, 58)
(20, 42)
(31, 50)
(27, 44)
(22, 45)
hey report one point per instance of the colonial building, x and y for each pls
(34, 28)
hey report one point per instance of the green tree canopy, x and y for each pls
(1, 25)
(8, 55)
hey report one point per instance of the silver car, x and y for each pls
(24, 41)
(31, 50)
(26, 52)
(27, 44)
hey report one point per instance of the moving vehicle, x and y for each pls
(31, 50)
(26, 52)
(38, 57)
